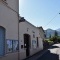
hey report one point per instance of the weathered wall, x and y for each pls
(9, 20)
(22, 30)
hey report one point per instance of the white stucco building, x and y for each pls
(18, 38)
(42, 33)
(9, 10)
(30, 39)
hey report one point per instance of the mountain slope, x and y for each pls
(58, 30)
(51, 32)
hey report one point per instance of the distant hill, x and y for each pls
(51, 32)
(58, 30)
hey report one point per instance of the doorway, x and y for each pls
(37, 42)
(27, 44)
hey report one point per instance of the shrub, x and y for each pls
(47, 43)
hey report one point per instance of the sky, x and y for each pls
(43, 13)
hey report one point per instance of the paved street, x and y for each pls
(53, 53)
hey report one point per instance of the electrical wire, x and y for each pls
(52, 19)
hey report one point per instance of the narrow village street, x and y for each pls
(29, 29)
(53, 53)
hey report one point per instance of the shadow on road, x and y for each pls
(52, 47)
(49, 56)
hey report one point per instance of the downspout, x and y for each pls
(18, 34)
(6, 4)
(18, 40)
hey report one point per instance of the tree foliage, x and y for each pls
(55, 38)
(50, 36)
(56, 34)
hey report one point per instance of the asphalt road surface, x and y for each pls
(53, 53)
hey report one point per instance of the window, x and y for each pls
(27, 29)
(12, 45)
(9, 45)
(15, 45)
(33, 35)
(34, 44)
(37, 42)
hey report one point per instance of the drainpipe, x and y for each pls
(18, 33)
(18, 36)
(18, 40)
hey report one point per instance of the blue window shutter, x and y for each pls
(2, 41)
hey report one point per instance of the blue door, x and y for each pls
(2, 41)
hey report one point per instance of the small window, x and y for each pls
(37, 42)
(33, 35)
(27, 29)
(12, 46)
(9, 45)
(34, 44)
(15, 45)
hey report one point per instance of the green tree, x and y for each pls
(50, 36)
(56, 34)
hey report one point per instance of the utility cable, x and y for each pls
(51, 19)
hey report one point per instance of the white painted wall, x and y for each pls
(9, 19)
(42, 33)
(14, 4)
(22, 30)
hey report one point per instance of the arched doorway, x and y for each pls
(2, 41)
(27, 44)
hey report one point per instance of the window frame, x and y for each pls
(12, 46)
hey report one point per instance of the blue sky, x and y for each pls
(40, 12)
